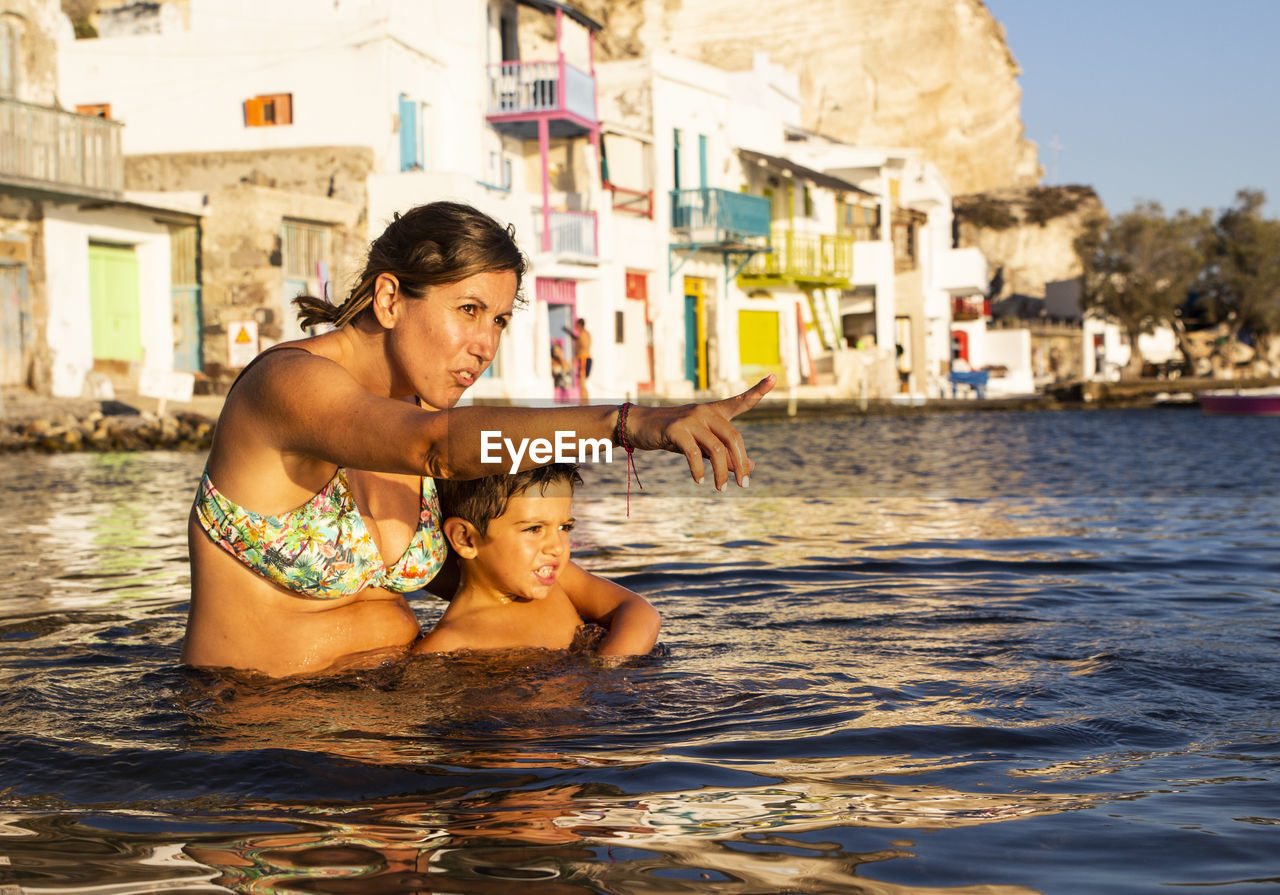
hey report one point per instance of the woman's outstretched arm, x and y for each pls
(304, 404)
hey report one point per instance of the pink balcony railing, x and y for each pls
(571, 233)
(522, 88)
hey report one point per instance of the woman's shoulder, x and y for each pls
(280, 391)
(288, 372)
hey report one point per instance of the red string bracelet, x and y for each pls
(622, 440)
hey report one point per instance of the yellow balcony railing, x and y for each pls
(47, 149)
(802, 258)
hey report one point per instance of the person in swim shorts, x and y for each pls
(511, 535)
(317, 511)
(581, 356)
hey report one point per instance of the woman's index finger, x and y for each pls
(740, 404)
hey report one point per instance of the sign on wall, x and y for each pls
(242, 342)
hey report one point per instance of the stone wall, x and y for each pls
(36, 24)
(248, 196)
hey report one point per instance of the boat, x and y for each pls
(1241, 402)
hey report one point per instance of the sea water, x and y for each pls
(961, 652)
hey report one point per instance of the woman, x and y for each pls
(561, 375)
(323, 457)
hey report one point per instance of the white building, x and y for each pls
(723, 242)
(310, 129)
(910, 279)
(94, 279)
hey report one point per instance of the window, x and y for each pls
(497, 172)
(507, 35)
(905, 229)
(305, 248)
(637, 285)
(269, 110)
(702, 161)
(675, 159)
(618, 328)
(96, 110)
(862, 222)
(305, 251)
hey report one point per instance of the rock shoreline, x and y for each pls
(103, 432)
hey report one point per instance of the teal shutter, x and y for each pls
(410, 147)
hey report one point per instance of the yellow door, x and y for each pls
(759, 344)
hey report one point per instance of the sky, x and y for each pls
(1176, 101)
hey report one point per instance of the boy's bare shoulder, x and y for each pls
(443, 638)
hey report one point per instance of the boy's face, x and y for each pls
(526, 548)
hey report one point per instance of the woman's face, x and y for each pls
(450, 336)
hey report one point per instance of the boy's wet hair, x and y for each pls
(479, 500)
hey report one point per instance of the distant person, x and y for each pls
(561, 373)
(581, 356)
(518, 588)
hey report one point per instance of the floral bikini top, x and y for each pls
(322, 549)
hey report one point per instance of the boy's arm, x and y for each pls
(632, 622)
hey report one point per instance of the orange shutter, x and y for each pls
(253, 112)
(637, 285)
(280, 105)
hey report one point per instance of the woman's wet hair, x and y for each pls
(431, 245)
(479, 501)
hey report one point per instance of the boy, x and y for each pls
(517, 586)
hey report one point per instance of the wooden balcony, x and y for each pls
(802, 259)
(47, 151)
(520, 93)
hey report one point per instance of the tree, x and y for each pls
(1138, 268)
(1242, 280)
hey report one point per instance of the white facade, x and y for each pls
(69, 234)
(345, 65)
(411, 81)
(686, 123)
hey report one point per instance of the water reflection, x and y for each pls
(93, 529)
(584, 838)
(906, 634)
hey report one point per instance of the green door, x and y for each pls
(114, 302)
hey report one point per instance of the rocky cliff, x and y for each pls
(1027, 234)
(934, 74)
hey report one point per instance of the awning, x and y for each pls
(817, 178)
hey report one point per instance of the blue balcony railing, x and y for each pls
(712, 215)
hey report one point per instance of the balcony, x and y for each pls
(520, 93)
(49, 151)
(567, 233)
(970, 307)
(961, 272)
(718, 218)
(807, 259)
